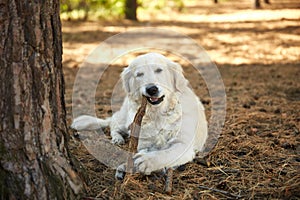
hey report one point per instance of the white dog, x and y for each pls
(174, 127)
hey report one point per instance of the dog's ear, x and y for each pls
(179, 81)
(126, 78)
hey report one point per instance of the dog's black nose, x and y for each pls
(152, 90)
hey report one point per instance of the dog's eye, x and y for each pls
(139, 74)
(158, 70)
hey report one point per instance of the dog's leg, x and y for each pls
(176, 154)
(121, 172)
(120, 123)
(118, 129)
(116, 137)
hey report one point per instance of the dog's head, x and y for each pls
(154, 76)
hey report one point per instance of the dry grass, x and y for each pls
(258, 153)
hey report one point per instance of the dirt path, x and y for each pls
(257, 53)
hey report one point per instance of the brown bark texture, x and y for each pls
(35, 163)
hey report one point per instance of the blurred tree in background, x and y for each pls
(130, 9)
(257, 4)
(87, 9)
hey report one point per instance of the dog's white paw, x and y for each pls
(85, 122)
(117, 139)
(120, 172)
(146, 162)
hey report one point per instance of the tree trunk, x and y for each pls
(130, 9)
(256, 4)
(33, 133)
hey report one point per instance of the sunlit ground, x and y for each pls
(232, 33)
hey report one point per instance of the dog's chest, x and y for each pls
(159, 128)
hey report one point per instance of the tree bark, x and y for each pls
(34, 155)
(130, 9)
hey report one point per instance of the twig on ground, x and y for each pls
(220, 191)
(169, 181)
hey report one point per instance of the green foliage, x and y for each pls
(84, 9)
(95, 9)
(161, 4)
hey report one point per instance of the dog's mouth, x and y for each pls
(155, 100)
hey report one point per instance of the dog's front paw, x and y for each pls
(120, 172)
(146, 163)
(117, 139)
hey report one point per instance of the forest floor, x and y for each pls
(258, 55)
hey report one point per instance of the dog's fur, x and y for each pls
(174, 127)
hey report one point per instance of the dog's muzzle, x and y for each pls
(152, 94)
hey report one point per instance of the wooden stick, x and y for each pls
(169, 181)
(220, 191)
(135, 129)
